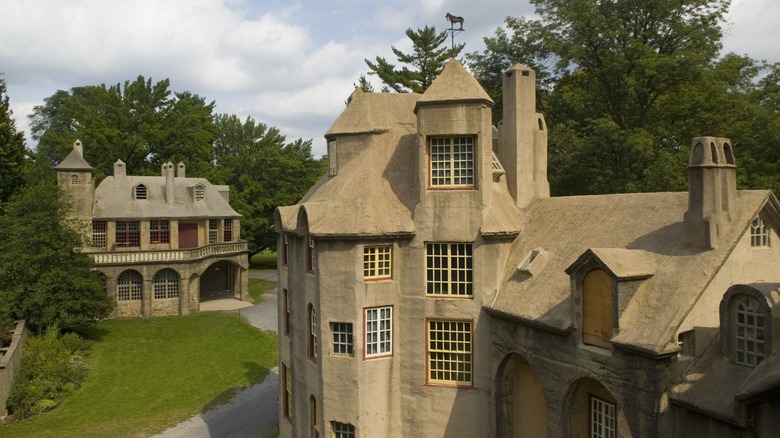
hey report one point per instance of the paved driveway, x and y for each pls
(253, 410)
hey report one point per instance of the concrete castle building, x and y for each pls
(164, 242)
(430, 286)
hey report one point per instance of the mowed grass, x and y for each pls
(263, 260)
(259, 287)
(149, 374)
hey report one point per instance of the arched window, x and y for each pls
(312, 333)
(140, 191)
(166, 284)
(129, 286)
(315, 433)
(74, 179)
(597, 313)
(759, 233)
(748, 325)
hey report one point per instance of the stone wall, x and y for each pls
(10, 363)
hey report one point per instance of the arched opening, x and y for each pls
(218, 281)
(592, 410)
(129, 292)
(520, 407)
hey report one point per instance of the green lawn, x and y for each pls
(149, 374)
(263, 260)
(258, 287)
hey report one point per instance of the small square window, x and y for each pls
(342, 338)
(377, 262)
(343, 430)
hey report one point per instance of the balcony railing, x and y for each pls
(170, 255)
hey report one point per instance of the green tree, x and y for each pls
(141, 123)
(43, 280)
(426, 61)
(264, 171)
(620, 67)
(12, 149)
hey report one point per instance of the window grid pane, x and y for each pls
(759, 232)
(312, 333)
(213, 228)
(99, 233)
(227, 232)
(166, 284)
(128, 234)
(159, 231)
(449, 352)
(342, 338)
(343, 430)
(749, 332)
(129, 286)
(449, 269)
(452, 161)
(200, 192)
(377, 262)
(379, 331)
(602, 424)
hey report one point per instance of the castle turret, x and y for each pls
(712, 191)
(74, 177)
(522, 146)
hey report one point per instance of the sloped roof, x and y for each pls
(455, 83)
(114, 199)
(75, 160)
(648, 223)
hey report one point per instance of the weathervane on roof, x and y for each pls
(453, 19)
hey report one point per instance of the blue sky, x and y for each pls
(289, 64)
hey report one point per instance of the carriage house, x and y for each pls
(164, 243)
(430, 285)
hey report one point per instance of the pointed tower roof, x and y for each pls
(455, 83)
(75, 160)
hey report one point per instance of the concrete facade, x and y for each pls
(430, 286)
(163, 242)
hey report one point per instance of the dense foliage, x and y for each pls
(626, 85)
(52, 367)
(42, 279)
(426, 62)
(12, 150)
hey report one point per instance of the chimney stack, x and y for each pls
(181, 171)
(169, 182)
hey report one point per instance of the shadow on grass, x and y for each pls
(91, 332)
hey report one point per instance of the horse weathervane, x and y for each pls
(454, 19)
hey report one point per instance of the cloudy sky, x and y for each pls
(289, 64)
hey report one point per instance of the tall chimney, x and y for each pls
(181, 171)
(523, 138)
(169, 182)
(712, 191)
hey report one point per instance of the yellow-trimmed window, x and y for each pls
(450, 360)
(377, 262)
(451, 162)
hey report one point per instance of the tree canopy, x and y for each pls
(420, 67)
(42, 279)
(12, 149)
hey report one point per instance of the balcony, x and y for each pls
(125, 257)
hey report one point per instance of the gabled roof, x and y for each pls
(650, 226)
(455, 83)
(114, 199)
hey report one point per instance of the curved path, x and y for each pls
(253, 410)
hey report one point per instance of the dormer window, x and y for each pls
(200, 192)
(451, 162)
(759, 233)
(140, 191)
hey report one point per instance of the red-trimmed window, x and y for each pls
(378, 331)
(159, 231)
(128, 234)
(450, 360)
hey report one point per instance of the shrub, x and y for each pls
(52, 367)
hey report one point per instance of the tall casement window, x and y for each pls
(759, 233)
(285, 248)
(99, 233)
(342, 430)
(314, 431)
(602, 423)
(377, 262)
(342, 338)
(451, 162)
(449, 269)
(286, 298)
(449, 352)
(309, 254)
(128, 234)
(128, 286)
(312, 333)
(748, 331)
(378, 332)
(227, 230)
(597, 313)
(213, 230)
(140, 191)
(166, 284)
(159, 231)
(287, 402)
